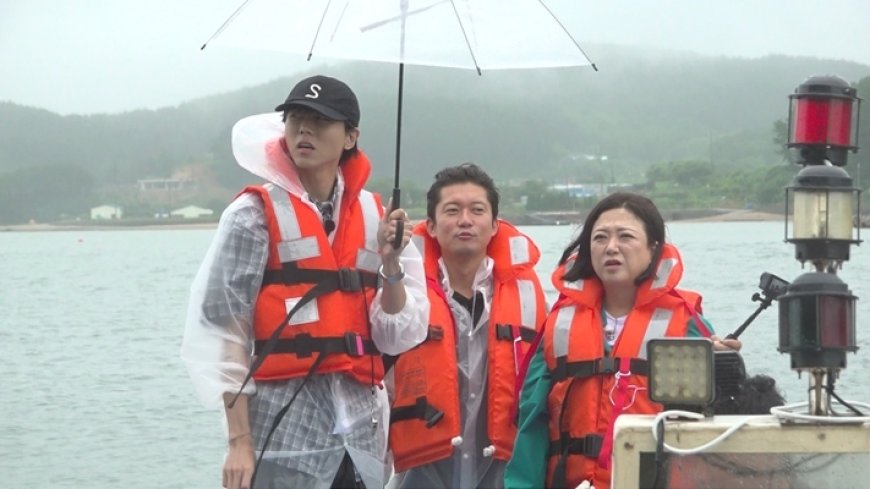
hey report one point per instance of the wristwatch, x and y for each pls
(392, 279)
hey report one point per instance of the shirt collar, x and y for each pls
(482, 278)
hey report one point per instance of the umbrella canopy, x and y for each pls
(470, 34)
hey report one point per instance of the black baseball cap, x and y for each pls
(328, 96)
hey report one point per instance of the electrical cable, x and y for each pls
(788, 413)
(660, 418)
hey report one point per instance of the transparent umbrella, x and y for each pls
(470, 34)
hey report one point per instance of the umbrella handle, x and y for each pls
(400, 224)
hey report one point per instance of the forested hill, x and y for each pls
(642, 107)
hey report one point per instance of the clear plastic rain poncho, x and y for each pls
(333, 413)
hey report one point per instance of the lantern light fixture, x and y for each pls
(817, 312)
(823, 120)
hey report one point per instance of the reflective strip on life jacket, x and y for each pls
(519, 246)
(525, 331)
(528, 304)
(293, 247)
(663, 273)
(656, 328)
(367, 258)
(564, 317)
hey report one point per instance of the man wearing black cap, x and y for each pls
(299, 294)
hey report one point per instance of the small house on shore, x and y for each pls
(107, 211)
(191, 212)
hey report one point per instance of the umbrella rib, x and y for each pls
(317, 32)
(567, 33)
(400, 16)
(340, 18)
(465, 36)
(225, 24)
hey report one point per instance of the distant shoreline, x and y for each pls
(736, 215)
(727, 216)
(100, 227)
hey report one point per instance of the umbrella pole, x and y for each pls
(397, 242)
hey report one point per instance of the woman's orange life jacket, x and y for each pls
(335, 322)
(426, 410)
(591, 388)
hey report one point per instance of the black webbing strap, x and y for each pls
(588, 445)
(599, 366)
(421, 409)
(344, 279)
(303, 345)
(435, 333)
(506, 332)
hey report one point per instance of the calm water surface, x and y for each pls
(95, 394)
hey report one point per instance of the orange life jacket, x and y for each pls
(590, 389)
(425, 419)
(334, 322)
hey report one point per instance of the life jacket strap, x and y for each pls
(421, 409)
(510, 332)
(599, 366)
(343, 279)
(589, 445)
(303, 345)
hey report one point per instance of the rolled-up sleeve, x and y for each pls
(396, 333)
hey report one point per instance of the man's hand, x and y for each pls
(387, 235)
(239, 464)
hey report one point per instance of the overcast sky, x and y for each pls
(93, 56)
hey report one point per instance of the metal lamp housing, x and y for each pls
(823, 201)
(823, 120)
(817, 322)
(681, 371)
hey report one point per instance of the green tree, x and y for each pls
(682, 173)
(46, 193)
(780, 138)
(859, 164)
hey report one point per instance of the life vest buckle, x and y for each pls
(607, 365)
(354, 344)
(349, 280)
(421, 409)
(431, 415)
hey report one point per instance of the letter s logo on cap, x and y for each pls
(315, 91)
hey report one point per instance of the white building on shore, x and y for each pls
(191, 212)
(107, 211)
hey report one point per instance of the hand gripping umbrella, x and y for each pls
(470, 34)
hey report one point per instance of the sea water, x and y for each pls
(94, 393)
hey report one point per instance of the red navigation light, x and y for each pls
(821, 116)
